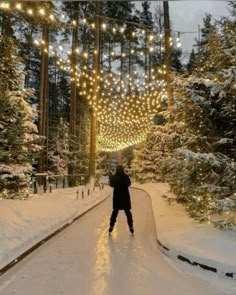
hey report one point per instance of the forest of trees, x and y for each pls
(50, 90)
(54, 49)
(193, 148)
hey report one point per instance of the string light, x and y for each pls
(125, 107)
(178, 44)
(18, 6)
(41, 11)
(30, 11)
(5, 5)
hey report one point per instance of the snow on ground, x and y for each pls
(84, 259)
(202, 243)
(23, 223)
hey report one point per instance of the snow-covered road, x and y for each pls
(84, 260)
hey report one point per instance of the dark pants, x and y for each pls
(128, 215)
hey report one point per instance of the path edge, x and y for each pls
(184, 258)
(20, 257)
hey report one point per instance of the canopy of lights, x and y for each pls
(124, 104)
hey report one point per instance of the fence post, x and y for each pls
(34, 184)
(82, 194)
(50, 188)
(45, 184)
(88, 191)
(64, 181)
(77, 194)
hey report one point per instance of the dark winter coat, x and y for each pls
(121, 196)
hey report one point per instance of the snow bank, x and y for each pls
(179, 235)
(23, 223)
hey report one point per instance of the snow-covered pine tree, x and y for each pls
(136, 166)
(191, 62)
(202, 54)
(18, 134)
(206, 106)
(151, 157)
(203, 168)
(148, 156)
(58, 155)
(199, 142)
(79, 143)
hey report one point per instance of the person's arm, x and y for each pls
(112, 181)
(128, 182)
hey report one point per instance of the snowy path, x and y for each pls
(83, 259)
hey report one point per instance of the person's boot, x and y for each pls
(131, 229)
(110, 229)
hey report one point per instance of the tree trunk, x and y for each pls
(121, 65)
(6, 24)
(73, 91)
(146, 57)
(74, 60)
(129, 69)
(150, 71)
(167, 53)
(43, 96)
(93, 130)
(109, 55)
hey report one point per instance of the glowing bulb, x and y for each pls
(150, 37)
(5, 5)
(41, 11)
(18, 6)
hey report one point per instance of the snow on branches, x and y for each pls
(18, 134)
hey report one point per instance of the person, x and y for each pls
(121, 197)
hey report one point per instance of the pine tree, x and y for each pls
(18, 134)
(191, 62)
(206, 161)
(199, 158)
(79, 141)
(176, 60)
(59, 149)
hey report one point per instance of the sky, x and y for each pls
(186, 15)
